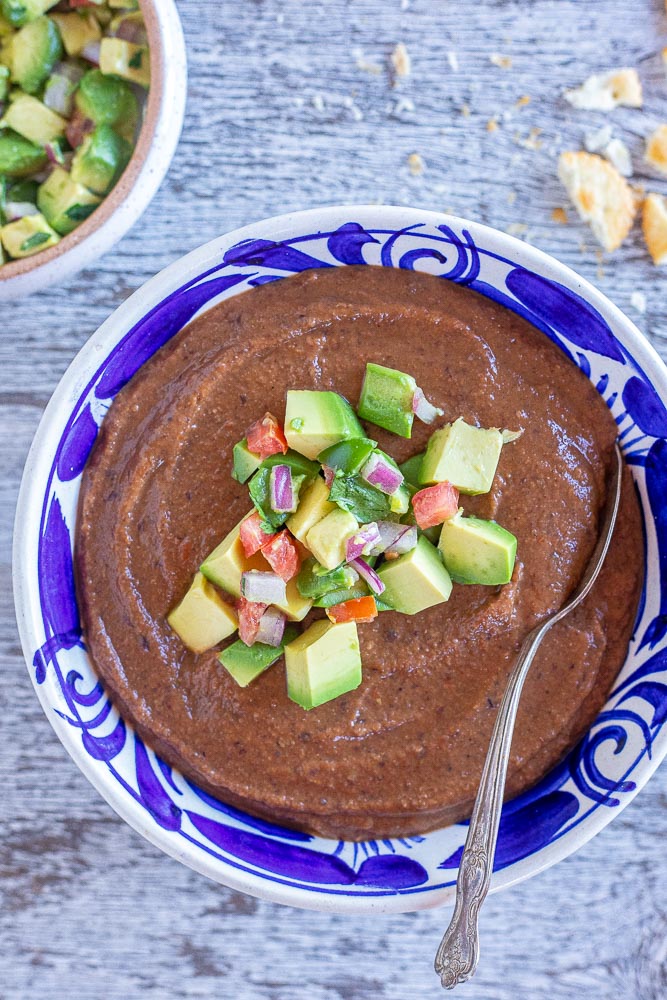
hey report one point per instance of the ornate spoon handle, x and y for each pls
(458, 954)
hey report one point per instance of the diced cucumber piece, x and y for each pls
(19, 12)
(33, 120)
(316, 420)
(33, 52)
(463, 455)
(323, 663)
(27, 236)
(127, 60)
(246, 663)
(202, 619)
(107, 100)
(477, 551)
(100, 159)
(77, 30)
(386, 399)
(244, 461)
(416, 580)
(347, 456)
(64, 203)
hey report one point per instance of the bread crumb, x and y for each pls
(511, 197)
(638, 302)
(503, 62)
(453, 61)
(602, 197)
(318, 102)
(532, 140)
(596, 141)
(492, 125)
(517, 229)
(368, 67)
(522, 101)
(400, 60)
(654, 225)
(403, 104)
(606, 91)
(664, 59)
(416, 164)
(465, 110)
(618, 155)
(559, 215)
(656, 149)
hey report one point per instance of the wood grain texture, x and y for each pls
(281, 116)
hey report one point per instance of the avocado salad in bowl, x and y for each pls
(89, 121)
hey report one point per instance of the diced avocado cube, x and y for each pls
(202, 619)
(299, 464)
(463, 455)
(27, 236)
(19, 12)
(416, 580)
(100, 159)
(245, 663)
(77, 30)
(328, 538)
(123, 4)
(18, 156)
(33, 52)
(323, 663)
(411, 469)
(386, 399)
(296, 606)
(314, 505)
(227, 562)
(245, 462)
(106, 100)
(6, 28)
(4, 82)
(477, 551)
(399, 502)
(127, 60)
(316, 420)
(33, 120)
(25, 190)
(347, 456)
(64, 203)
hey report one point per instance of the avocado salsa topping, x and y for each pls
(336, 516)
(71, 86)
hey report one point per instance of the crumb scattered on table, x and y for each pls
(502, 62)
(656, 149)
(638, 302)
(400, 61)
(654, 225)
(415, 164)
(602, 197)
(559, 215)
(606, 91)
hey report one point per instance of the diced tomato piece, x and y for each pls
(253, 537)
(360, 609)
(249, 615)
(266, 437)
(435, 504)
(282, 555)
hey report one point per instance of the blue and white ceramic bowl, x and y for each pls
(601, 774)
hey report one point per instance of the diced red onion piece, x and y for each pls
(284, 498)
(380, 473)
(368, 574)
(58, 95)
(71, 70)
(54, 153)
(329, 475)
(271, 627)
(132, 31)
(389, 532)
(362, 543)
(263, 588)
(91, 52)
(19, 209)
(424, 410)
(406, 542)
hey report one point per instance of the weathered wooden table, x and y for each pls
(291, 105)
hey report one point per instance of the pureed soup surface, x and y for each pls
(404, 752)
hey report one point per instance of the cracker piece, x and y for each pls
(654, 224)
(601, 196)
(606, 91)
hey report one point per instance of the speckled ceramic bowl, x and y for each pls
(586, 791)
(154, 151)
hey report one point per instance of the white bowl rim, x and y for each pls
(96, 347)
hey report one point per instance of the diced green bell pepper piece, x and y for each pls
(299, 464)
(347, 456)
(411, 468)
(314, 581)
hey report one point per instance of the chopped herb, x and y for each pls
(136, 60)
(355, 495)
(77, 213)
(35, 240)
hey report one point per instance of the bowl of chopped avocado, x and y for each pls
(92, 99)
(284, 526)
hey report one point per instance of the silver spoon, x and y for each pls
(458, 954)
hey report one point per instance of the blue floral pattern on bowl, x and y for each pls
(575, 800)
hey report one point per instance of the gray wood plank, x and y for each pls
(281, 116)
